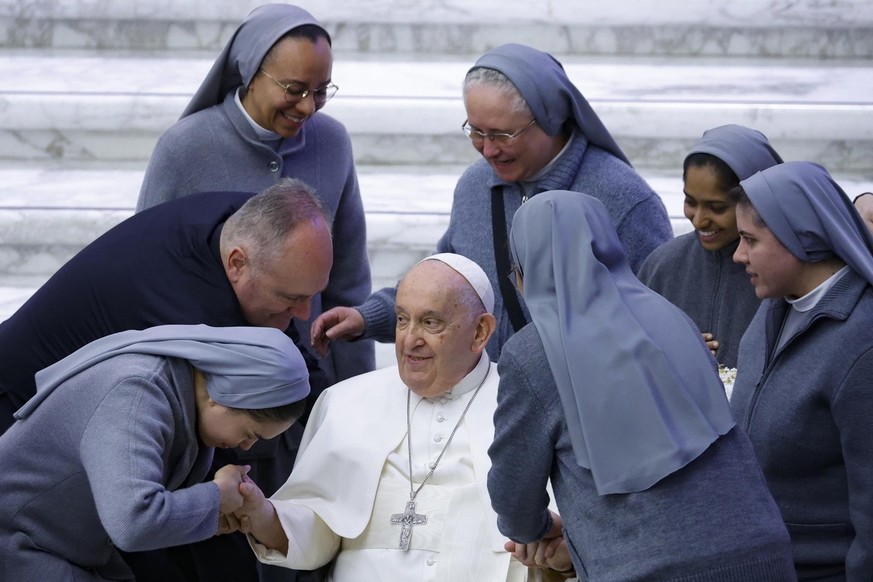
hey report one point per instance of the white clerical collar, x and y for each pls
(471, 381)
(264, 135)
(551, 164)
(812, 298)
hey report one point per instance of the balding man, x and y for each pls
(220, 259)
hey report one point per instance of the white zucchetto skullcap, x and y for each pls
(472, 272)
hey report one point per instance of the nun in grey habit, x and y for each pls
(111, 452)
(218, 146)
(803, 388)
(611, 394)
(705, 282)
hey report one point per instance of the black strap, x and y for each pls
(504, 263)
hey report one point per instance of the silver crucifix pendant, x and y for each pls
(406, 520)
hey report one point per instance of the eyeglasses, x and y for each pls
(296, 92)
(499, 137)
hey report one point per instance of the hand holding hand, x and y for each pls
(228, 479)
(227, 523)
(338, 323)
(257, 517)
(551, 553)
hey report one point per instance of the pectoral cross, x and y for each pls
(406, 520)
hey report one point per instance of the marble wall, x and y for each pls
(807, 28)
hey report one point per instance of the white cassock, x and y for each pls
(351, 476)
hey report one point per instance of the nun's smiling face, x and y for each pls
(491, 111)
(706, 206)
(297, 63)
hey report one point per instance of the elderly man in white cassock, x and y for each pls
(390, 480)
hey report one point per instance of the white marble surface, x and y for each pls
(739, 12)
(94, 107)
(754, 27)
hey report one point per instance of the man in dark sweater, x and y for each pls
(221, 259)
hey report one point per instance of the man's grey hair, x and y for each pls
(482, 76)
(262, 225)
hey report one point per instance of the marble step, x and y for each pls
(47, 215)
(669, 27)
(85, 107)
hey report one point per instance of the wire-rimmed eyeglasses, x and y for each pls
(498, 137)
(295, 92)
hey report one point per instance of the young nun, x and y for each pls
(111, 452)
(610, 393)
(696, 271)
(803, 389)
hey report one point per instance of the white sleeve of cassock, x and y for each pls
(311, 543)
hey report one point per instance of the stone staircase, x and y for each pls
(88, 87)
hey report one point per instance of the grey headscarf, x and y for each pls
(245, 367)
(552, 98)
(241, 57)
(811, 215)
(640, 392)
(744, 150)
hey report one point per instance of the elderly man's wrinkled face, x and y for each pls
(274, 293)
(437, 343)
(490, 111)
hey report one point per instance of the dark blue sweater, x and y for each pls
(158, 267)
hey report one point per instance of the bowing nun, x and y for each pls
(111, 452)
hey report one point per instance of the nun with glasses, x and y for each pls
(611, 394)
(111, 453)
(696, 271)
(535, 132)
(256, 118)
(803, 390)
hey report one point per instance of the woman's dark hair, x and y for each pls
(724, 176)
(736, 196)
(284, 413)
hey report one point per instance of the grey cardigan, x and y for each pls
(217, 150)
(110, 459)
(639, 215)
(713, 290)
(712, 520)
(807, 409)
